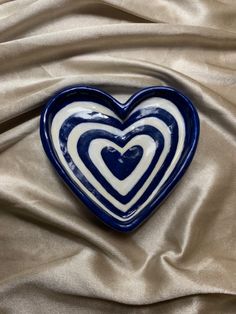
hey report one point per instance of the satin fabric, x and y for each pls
(57, 257)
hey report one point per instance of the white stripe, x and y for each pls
(83, 127)
(123, 186)
(84, 108)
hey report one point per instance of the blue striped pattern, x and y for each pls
(97, 174)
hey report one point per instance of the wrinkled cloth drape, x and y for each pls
(56, 256)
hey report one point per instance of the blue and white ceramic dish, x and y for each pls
(121, 160)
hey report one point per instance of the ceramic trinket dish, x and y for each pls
(121, 160)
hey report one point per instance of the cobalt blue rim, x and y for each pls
(65, 96)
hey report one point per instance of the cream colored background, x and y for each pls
(55, 256)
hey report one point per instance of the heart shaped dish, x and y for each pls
(121, 160)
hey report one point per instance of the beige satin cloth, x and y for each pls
(56, 256)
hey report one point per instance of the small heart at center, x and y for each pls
(122, 165)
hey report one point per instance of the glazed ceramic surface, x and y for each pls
(122, 160)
